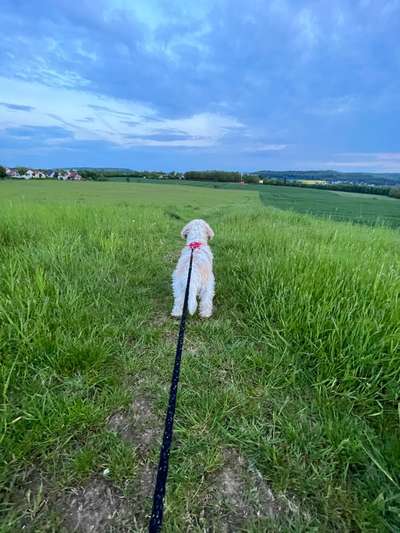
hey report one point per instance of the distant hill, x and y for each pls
(332, 176)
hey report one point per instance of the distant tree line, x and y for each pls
(394, 192)
(22, 170)
(221, 176)
(291, 179)
(105, 174)
(346, 187)
(287, 179)
(389, 178)
(213, 175)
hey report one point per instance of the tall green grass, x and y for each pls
(299, 369)
(320, 302)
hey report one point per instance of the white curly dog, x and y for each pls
(202, 284)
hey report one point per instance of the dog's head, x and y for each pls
(197, 230)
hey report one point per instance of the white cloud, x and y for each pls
(40, 70)
(260, 147)
(87, 116)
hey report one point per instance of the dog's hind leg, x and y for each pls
(193, 292)
(179, 295)
(206, 297)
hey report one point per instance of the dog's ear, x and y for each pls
(185, 231)
(210, 233)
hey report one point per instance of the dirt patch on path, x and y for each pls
(97, 507)
(138, 426)
(102, 508)
(241, 497)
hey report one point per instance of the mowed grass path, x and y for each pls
(287, 414)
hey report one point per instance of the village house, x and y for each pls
(62, 175)
(71, 175)
(12, 172)
(74, 175)
(39, 174)
(65, 175)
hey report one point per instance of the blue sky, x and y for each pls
(227, 84)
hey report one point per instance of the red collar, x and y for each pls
(195, 244)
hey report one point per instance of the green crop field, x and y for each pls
(361, 208)
(288, 413)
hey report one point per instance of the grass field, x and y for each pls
(360, 208)
(367, 209)
(118, 194)
(288, 414)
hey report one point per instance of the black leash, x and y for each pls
(162, 472)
